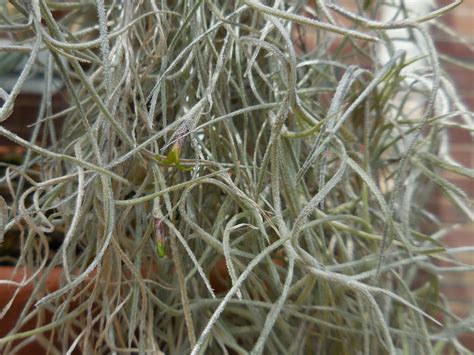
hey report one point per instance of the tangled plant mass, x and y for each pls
(233, 177)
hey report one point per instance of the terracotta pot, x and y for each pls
(8, 322)
(219, 275)
(11, 317)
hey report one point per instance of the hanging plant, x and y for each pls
(232, 176)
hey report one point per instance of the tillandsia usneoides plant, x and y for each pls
(244, 176)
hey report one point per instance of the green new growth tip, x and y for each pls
(160, 249)
(173, 159)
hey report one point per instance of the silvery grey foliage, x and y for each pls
(233, 176)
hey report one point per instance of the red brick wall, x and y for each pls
(459, 287)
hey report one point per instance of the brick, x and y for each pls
(458, 278)
(458, 293)
(467, 258)
(461, 76)
(467, 5)
(463, 182)
(467, 339)
(453, 48)
(460, 20)
(459, 135)
(468, 100)
(461, 236)
(463, 153)
(440, 201)
(461, 309)
(444, 209)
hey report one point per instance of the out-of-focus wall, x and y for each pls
(459, 288)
